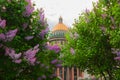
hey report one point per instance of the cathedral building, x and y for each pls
(57, 36)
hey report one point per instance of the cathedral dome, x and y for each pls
(60, 26)
(59, 30)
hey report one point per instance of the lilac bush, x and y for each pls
(23, 38)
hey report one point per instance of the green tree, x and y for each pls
(96, 40)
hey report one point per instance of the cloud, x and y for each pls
(68, 9)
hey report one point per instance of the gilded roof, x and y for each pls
(60, 26)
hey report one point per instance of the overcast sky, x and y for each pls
(68, 9)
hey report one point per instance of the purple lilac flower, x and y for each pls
(30, 54)
(1, 45)
(41, 17)
(103, 28)
(104, 16)
(29, 37)
(28, 9)
(117, 58)
(87, 11)
(112, 19)
(43, 76)
(15, 57)
(32, 61)
(11, 34)
(2, 36)
(54, 61)
(36, 47)
(54, 75)
(72, 51)
(76, 35)
(2, 23)
(58, 65)
(25, 25)
(7, 50)
(118, 53)
(113, 27)
(43, 32)
(18, 61)
(55, 48)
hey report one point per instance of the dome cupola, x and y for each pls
(59, 30)
(60, 26)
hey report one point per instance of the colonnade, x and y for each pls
(66, 73)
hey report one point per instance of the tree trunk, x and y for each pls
(103, 76)
(110, 75)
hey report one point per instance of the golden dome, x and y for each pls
(60, 26)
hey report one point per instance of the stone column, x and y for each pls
(58, 72)
(62, 73)
(78, 74)
(81, 74)
(72, 72)
(68, 74)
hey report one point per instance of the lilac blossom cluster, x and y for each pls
(25, 25)
(103, 16)
(29, 37)
(74, 35)
(42, 16)
(30, 54)
(42, 19)
(118, 56)
(9, 35)
(87, 11)
(117, 52)
(28, 9)
(55, 48)
(56, 63)
(72, 51)
(44, 32)
(2, 24)
(53, 75)
(44, 77)
(13, 55)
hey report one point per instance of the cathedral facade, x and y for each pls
(58, 37)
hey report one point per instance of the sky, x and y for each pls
(68, 9)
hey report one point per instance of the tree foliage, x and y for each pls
(24, 52)
(96, 40)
